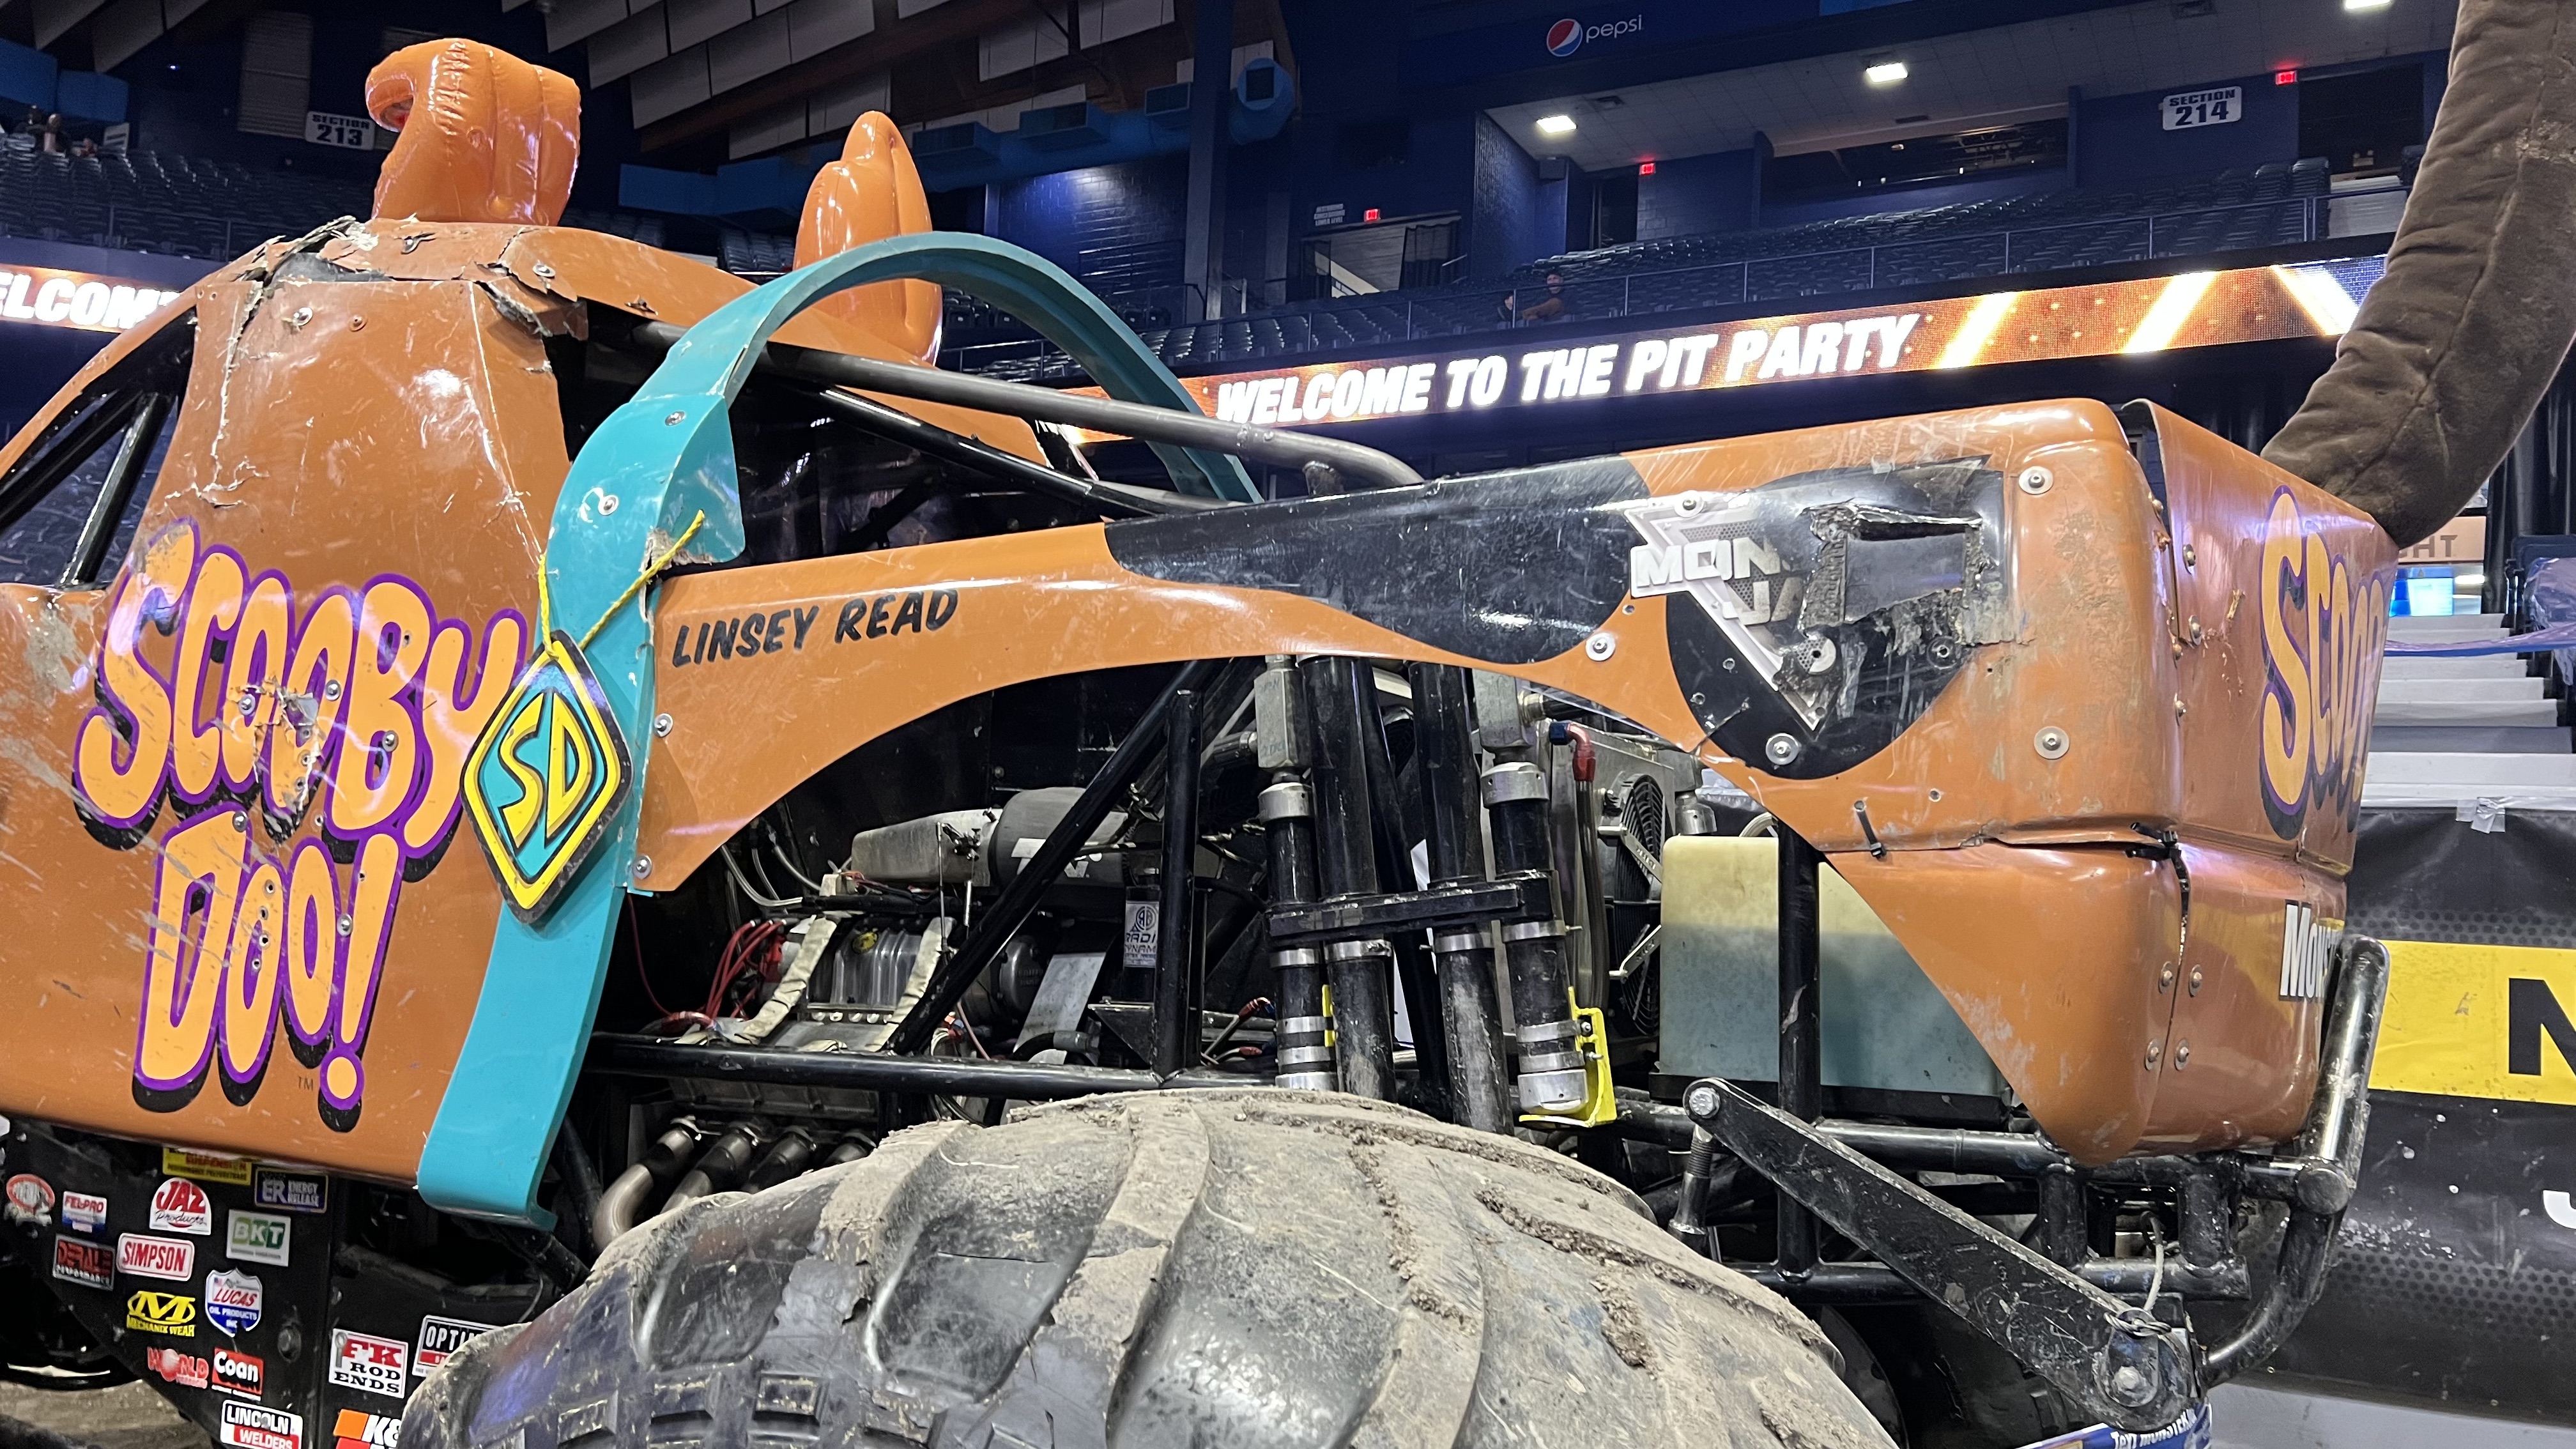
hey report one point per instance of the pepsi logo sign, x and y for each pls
(1564, 38)
(1567, 36)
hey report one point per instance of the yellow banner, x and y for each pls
(2479, 1021)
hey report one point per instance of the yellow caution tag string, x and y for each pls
(646, 577)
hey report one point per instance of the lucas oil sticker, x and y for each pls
(233, 1301)
(370, 1364)
(293, 764)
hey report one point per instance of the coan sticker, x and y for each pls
(257, 1426)
(294, 1192)
(358, 1429)
(206, 1166)
(258, 1237)
(233, 1301)
(89, 1264)
(138, 1256)
(174, 1314)
(2324, 625)
(545, 778)
(306, 746)
(370, 1364)
(30, 1198)
(85, 1211)
(240, 1373)
(440, 1337)
(180, 1206)
(177, 1366)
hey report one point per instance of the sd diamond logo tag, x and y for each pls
(545, 778)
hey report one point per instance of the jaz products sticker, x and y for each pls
(373, 1365)
(233, 1301)
(206, 1166)
(180, 1206)
(85, 1263)
(138, 1256)
(294, 1192)
(31, 1198)
(85, 1211)
(440, 1337)
(358, 1429)
(257, 1237)
(184, 1369)
(240, 1373)
(172, 1313)
(257, 1426)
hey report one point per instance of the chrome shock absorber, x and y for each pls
(1550, 1072)
(1287, 809)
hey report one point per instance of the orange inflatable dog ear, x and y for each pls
(485, 135)
(870, 194)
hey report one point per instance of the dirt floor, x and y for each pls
(127, 1417)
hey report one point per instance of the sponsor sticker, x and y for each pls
(206, 1166)
(368, 1363)
(138, 1256)
(175, 1366)
(30, 1198)
(358, 1429)
(257, 1237)
(440, 1337)
(233, 1301)
(240, 1373)
(294, 1192)
(257, 1426)
(180, 1206)
(85, 1211)
(172, 1313)
(79, 1261)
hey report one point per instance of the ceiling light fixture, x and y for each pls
(1889, 72)
(1558, 125)
(2356, 7)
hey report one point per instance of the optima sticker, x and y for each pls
(440, 1337)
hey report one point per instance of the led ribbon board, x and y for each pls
(2152, 314)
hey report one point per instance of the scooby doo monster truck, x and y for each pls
(600, 855)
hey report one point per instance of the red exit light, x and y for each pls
(2285, 77)
(1645, 168)
(1369, 215)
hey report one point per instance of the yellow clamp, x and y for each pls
(1600, 1101)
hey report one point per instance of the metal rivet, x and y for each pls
(2051, 742)
(2180, 708)
(642, 867)
(661, 725)
(330, 689)
(241, 820)
(673, 418)
(545, 271)
(357, 324)
(2155, 1052)
(1690, 503)
(345, 925)
(2196, 635)
(1701, 1100)
(2035, 480)
(1936, 797)
(2195, 981)
(1781, 748)
(2130, 1386)
(607, 504)
(302, 316)
(2164, 979)
(1600, 646)
(2182, 1055)
(2190, 557)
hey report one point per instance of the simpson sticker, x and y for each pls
(440, 1337)
(240, 1373)
(358, 1429)
(139, 1256)
(233, 1301)
(85, 1211)
(258, 1237)
(257, 1426)
(175, 1366)
(86, 1263)
(180, 1206)
(206, 1166)
(31, 1198)
(294, 1192)
(374, 1365)
(172, 1313)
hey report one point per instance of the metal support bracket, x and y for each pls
(1521, 896)
(2134, 1371)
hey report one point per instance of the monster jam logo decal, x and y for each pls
(339, 719)
(2323, 623)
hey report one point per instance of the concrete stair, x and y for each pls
(2481, 727)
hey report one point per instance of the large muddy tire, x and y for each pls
(1239, 1268)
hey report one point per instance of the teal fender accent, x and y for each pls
(650, 470)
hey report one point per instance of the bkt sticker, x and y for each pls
(545, 778)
